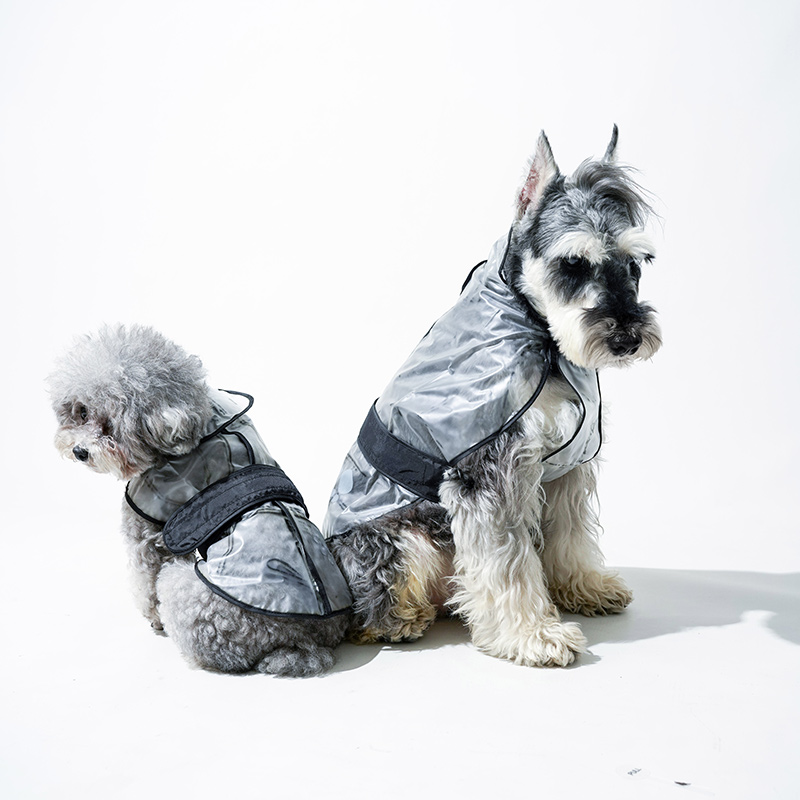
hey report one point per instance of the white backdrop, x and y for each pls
(295, 191)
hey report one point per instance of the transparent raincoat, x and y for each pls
(230, 501)
(473, 375)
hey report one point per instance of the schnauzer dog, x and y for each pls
(472, 483)
(263, 592)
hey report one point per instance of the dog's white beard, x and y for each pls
(565, 321)
(104, 455)
(585, 346)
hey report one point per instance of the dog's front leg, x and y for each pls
(494, 500)
(572, 559)
(146, 555)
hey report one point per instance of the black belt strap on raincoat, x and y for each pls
(219, 505)
(411, 468)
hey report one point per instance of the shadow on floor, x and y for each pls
(670, 601)
(447, 632)
(665, 601)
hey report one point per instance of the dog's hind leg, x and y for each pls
(297, 662)
(396, 567)
(494, 499)
(213, 633)
(572, 559)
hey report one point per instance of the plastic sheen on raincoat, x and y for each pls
(473, 375)
(229, 500)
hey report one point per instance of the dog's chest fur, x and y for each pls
(552, 421)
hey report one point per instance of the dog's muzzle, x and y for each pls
(622, 344)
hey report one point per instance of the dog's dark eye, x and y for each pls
(83, 413)
(570, 276)
(635, 270)
(576, 264)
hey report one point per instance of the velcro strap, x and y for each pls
(219, 505)
(404, 464)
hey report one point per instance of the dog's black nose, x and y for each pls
(80, 453)
(623, 345)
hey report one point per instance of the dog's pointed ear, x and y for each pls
(542, 170)
(611, 151)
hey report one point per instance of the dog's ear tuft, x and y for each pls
(611, 151)
(173, 430)
(542, 170)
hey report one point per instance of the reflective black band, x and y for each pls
(219, 505)
(398, 461)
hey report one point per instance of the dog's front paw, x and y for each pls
(552, 644)
(593, 594)
(548, 643)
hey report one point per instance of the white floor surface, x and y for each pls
(691, 692)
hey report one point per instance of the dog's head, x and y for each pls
(127, 397)
(577, 250)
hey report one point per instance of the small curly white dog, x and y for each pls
(224, 558)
